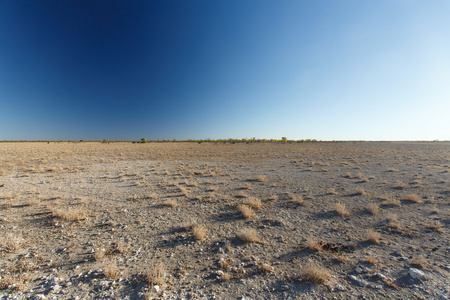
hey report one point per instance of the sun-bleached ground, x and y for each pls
(224, 221)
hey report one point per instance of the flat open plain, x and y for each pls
(367, 220)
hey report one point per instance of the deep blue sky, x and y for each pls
(365, 70)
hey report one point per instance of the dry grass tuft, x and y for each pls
(226, 276)
(361, 191)
(400, 186)
(332, 191)
(412, 198)
(253, 202)
(371, 260)
(246, 211)
(259, 178)
(198, 232)
(420, 262)
(241, 195)
(298, 199)
(341, 209)
(110, 269)
(246, 187)
(266, 268)
(315, 273)
(435, 225)
(274, 197)
(391, 202)
(170, 203)
(373, 236)
(17, 282)
(156, 274)
(314, 245)
(123, 247)
(249, 235)
(390, 284)
(183, 191)
(33, 202)
(373, 208)
(341, 258)
(394, 221)
(11, 242)
(69, 213)
(99, 254)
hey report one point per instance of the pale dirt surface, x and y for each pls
(130, 243)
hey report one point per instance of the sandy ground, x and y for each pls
(224, 221)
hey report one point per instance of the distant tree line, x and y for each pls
(144, 140)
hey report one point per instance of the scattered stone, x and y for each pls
(104, 283)
(156, 289)
(417, 274)
(361, 282)
(378, 286)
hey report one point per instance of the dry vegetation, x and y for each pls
(248, 235)
(341, 209)
(315, 273)
(224, 221)
(246, 211)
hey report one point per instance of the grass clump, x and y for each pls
(246, 211)
(314, 245)
(341, 210)
(249, 235)
(99, 254)
(420, 262)
(259, 178)
(435, 225)
(198, 232)
(69, 213)
(11, 242)
(393, 221)
(373, 236)
(400, 186)
(412, 198)
(373, 208)
(266, 268)
(156, 274)
(170, 203)
(298, 200)
(361, 191)
(253, 202)
(391, 202)
(315, 273)
(110, 269)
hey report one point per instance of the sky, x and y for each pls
(197, 69)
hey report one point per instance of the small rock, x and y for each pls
(361, 282)
(340, 287)
(39, 297)
(55, 288)
(417, 274)
(358, 270)
(156, 289)
(378, 286)
(104, 283)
